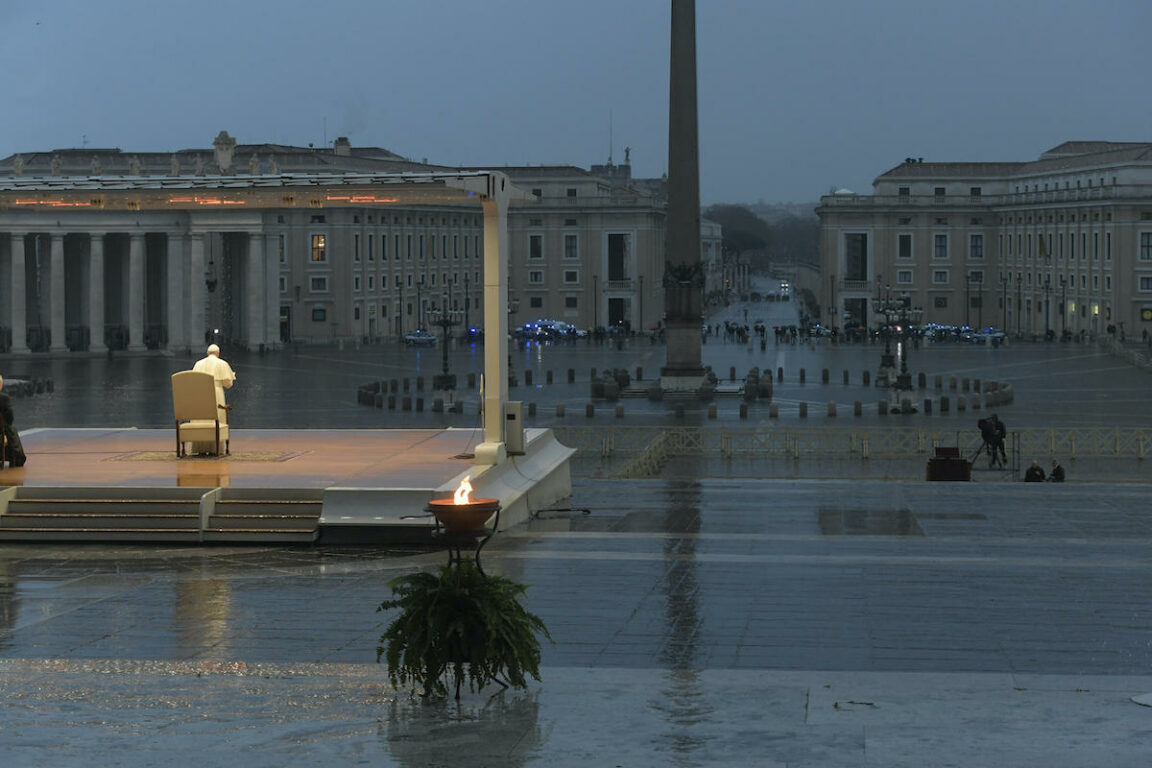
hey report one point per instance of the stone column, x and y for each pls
(272, 295)
(195, 293)
(684, 275)
(19, 301)
(96, 293)
(176, 303)
(254, 294)
(136, 292)
(56, 294)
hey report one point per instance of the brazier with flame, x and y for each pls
(462, 514)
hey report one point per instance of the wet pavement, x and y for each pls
(696, 623)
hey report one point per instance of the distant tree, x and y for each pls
(743, 230)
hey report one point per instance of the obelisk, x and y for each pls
(683, 272)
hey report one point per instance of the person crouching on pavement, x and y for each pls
(1057, 473)
(13, 449)
(1034, 474)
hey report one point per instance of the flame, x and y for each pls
(461, 495)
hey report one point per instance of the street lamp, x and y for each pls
(1019, 285)
(1063, 306)
(419, 304)
(1004, 300)
(1047, 306)
(445, 319)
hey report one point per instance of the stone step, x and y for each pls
(38, 533)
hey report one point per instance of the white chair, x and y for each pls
(197, 412)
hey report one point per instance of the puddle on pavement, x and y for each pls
(839, 521)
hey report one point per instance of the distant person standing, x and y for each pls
(1034, 473)
(225, 377)
(13, 450)
(1057, 473)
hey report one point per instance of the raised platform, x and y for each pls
(276, 486)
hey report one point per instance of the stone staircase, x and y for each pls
(173, 515)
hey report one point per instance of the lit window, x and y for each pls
(319, 248)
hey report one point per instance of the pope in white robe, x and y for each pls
(224, 376)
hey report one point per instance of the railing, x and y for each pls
(618, 285)
(856, 285)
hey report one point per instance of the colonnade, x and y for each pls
(76, 290)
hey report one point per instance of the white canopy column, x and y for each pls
(272, 296)
(56, 293)
(96, 293)
(18, 303)
(493, 449)
(136, 292)
(255, 297)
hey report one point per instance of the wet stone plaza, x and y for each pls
(699, 619)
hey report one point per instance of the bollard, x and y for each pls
(882, 407)
(773, 410)
(712, 410)
(803, 374)
(639, 373)
(866, 377)
(732, 373)
(927, 406)
(528, 377)
(845, 377)
(560, 411)
(532, 410)
(743, 410)
(943, 404)
(589, 410)
(548, 377)
(832, 408)
(824, 376)
(857, 408)
(619, 410)
(571, 375)
(921, 380)
(780, 373)
(803, 410)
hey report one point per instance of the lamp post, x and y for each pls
(1047, 307)
(1019, 286)
(1004, 300)
(445, 319)
(898, 311)
(595, 303)
(419, 304)
(1063, 306)
(467, 304)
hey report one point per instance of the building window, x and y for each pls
(319, 314)
(455, 246)
(535, 222)
(940, 246)
(1107, 282)
(571, 191)
(371, 246)
(904, 276)
(356, 312)
(318, 284)
(1107, 246)
(904, 191)
(535, 246)
(974, 193)
(571, 246)
(421, 247)
(939, 191)
(976, 247)
(283, 284)
(569, 222)
(537, 192)
(940, 276)
(280, 247)
(356, 247)
(940, 302)
(1146, 284)
(1146, 246)
(904, 246)
(356, 282)
(318, 219)
(536, 277)
(371, 282)
(408, 249)
(536, 302)
(571, 276)
(319, 248)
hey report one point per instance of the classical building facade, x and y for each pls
(1060, 243)
(260, 245)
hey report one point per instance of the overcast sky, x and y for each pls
(795, 96)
